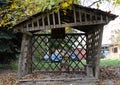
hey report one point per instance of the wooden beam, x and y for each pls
(48, 18)
(28, 33)
(80, 16)
(25, 59)
(43, 26)
(74, 15)
(53, 15)
(59, 21)
(63, 25)
(32, 26)
(86, 18)
(43, 21)
(27, 27)
(101, 18)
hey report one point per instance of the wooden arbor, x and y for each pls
(89, 21)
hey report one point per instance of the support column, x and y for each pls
(25, 59)
(97, 56)
(89, 53)
(94, 39)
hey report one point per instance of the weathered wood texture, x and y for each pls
(25, 59)
(93, 41)
(78, 16)
(88, 20)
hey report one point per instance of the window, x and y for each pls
(114, 50)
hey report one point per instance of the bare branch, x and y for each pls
(94, 3)
(84, 2)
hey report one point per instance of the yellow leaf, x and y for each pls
(13, 6)
(67, 29)
(22, 6)
(70, 1)
(65, 12)
(64, 4)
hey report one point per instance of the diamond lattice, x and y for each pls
(59, 55)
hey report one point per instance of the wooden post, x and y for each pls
(93, 41)
(25, 59)
(89, 53)
(97, 57)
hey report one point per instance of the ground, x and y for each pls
(108, 76)
(7, 77)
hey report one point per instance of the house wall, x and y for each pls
(81, 53)
(114, 51)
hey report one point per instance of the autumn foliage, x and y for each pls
(12, 11)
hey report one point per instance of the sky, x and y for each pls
(112, 25)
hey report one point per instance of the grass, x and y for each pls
(12, 66)
(110, 62)
(103, 63)
(53, 64)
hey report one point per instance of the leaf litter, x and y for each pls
(108, 76)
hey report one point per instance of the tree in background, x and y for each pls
(9, 45)
(115, 36)
(12, 11)
(116, 1)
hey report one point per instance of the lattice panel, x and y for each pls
(59, 55)
(93, 44)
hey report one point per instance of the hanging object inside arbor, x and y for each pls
(58, 33)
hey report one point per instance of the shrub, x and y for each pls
(9, 45)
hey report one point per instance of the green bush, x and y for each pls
(9, 45)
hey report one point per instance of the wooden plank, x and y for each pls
(53, 15)
(27, 27)
(107, 19)
(48, 18)
(59, 17)
(96, 18)
(86, 18)
(28, 33)
(32, 26)
(101, 18)
(43, 21)
(29, 56)
(74, 15)
(60, 79)
(38, 23)
(74, 34)
(80, 16)
(63, 25)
